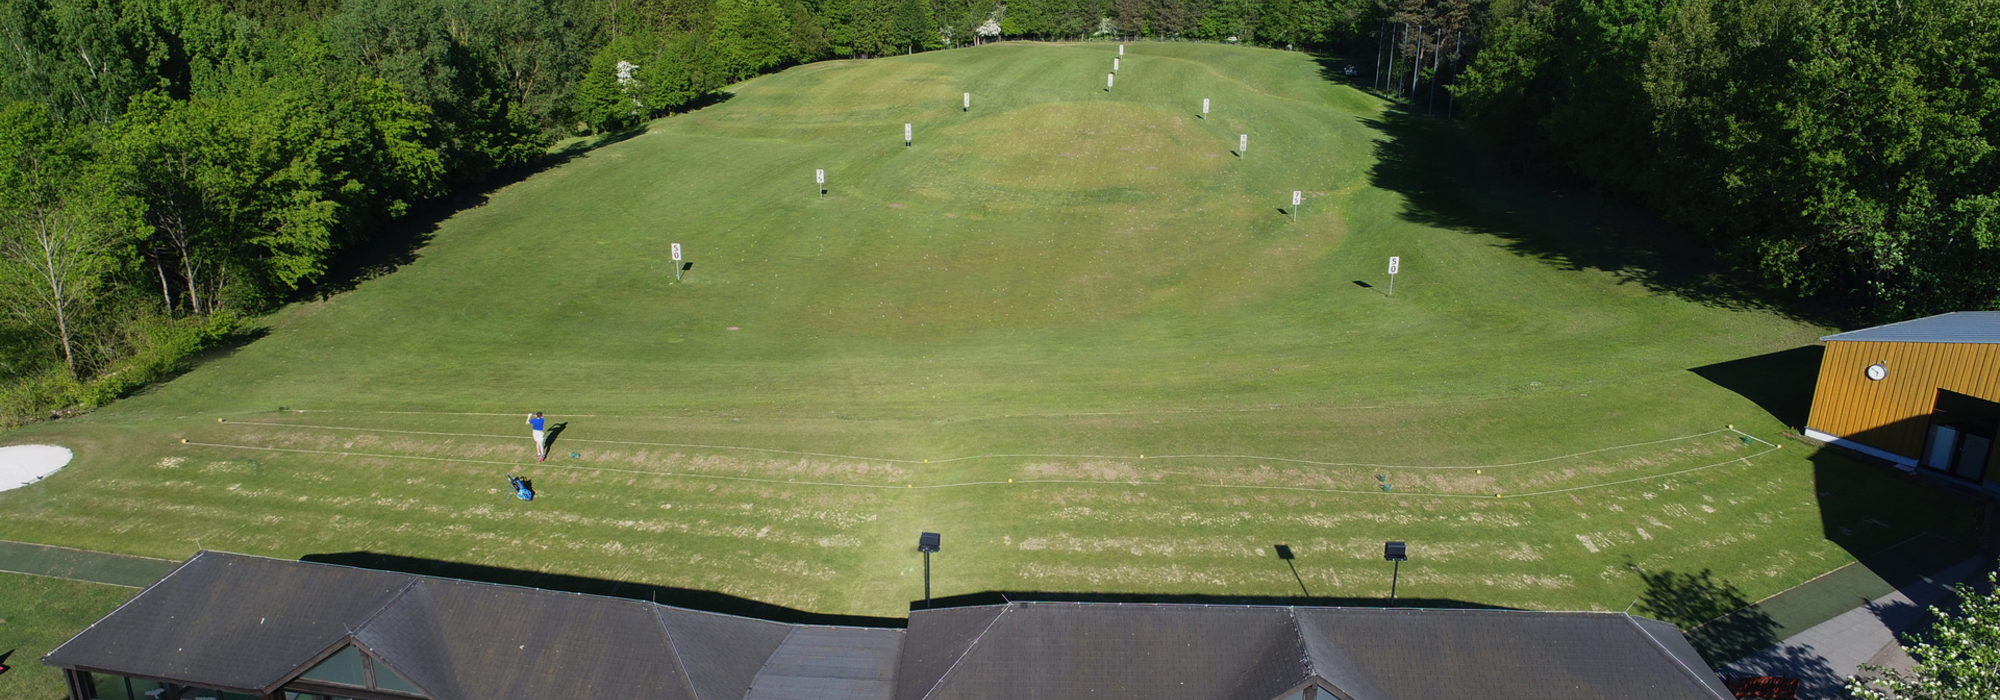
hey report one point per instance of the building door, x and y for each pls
(1961, 435)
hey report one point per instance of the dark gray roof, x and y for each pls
(237, 623)
(831, 663)
(250, 624)
(456, 639)
(1957, 327)
(1085, 650)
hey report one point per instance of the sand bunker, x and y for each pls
(21, 465)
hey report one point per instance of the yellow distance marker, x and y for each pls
(184, 441)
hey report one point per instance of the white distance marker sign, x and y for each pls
(968, 102)
(906, 134)
(1204, 106)
(1108, 78)
(1242, 144)
(819, 176)
(1394, 263)
(677, 252)
(1121, 49)
(1297, 196)
(1114, 64)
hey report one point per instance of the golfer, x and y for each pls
(541, 444)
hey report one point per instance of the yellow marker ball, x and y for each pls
(1010, 481)
(221, 420)
(1732, 426)
(1496, 495)
(927, 461)
(184, 441)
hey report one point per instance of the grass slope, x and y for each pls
(981, 335)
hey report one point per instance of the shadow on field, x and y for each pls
(1719, 621)
(1781, 383)
(1902, 526)
(1447, 181)
(1001, 597)
(666, 595)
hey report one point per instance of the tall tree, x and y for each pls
(63, 228)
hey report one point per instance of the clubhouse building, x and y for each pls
(234, 627)
(1921, 394)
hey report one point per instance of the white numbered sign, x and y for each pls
(1204, 105)
(906, 132)
(677, 252)
(1296, 197)
(819, 176)
(1394, 262)
(1242, 143)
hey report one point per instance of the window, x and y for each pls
(351, 667)
(344, 668)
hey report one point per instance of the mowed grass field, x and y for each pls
(1070, 329)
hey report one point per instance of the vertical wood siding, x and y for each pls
(1892, 414)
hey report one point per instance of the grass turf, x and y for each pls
(36, 615)
(981, 335)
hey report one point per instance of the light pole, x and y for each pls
(1396, 552)
(927, 542)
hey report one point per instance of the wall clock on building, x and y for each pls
(1877, 371)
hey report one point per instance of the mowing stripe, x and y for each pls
(1744, 459)
(948, 460)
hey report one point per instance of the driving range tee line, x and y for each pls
(948, 460)
(1745, 459)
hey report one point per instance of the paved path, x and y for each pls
(81, 565)
(1825, 655)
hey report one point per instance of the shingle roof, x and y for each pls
(1957, 327)
(250, 624)
(1087, 650)
(830, 663)
(238, 623)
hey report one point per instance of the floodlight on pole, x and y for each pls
(1399, 553)
(928, 542)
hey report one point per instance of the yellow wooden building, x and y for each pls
(1924, 394)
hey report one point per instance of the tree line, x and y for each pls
(1841, 150)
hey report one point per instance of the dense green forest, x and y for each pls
(170, 167)
(1840, 150)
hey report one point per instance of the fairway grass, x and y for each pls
(1070, 329)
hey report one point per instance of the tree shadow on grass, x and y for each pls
(1719, 621)
(1449, 182)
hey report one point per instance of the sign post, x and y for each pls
(1204, 108)
(1394, 262)
(1242, 144)
(906, 136)
(1297, 196)
(677, 262)
(819, 176)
